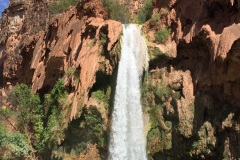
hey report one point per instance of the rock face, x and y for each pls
(203, 78)
(192, 93)
(79, 45)
(133, 5)
(72, 40)
(20, 20)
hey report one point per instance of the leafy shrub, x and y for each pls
(31, 137)
(157, 135)
(103, 38)
(99, 95)
(51, 100)
(155, 144)
(5, 113)
(54, 132)
(57, 114)
(94, 122)
(29, 113)
(12, 145)
(155, 53)
(94, 125)
(155, 18)
(156, 117)
(70, 71)
(161, 91)
(146, 12)
(162, 35)
(117, 11)
(102, 97)
(61, 5)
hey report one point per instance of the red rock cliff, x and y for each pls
(71, 40)
(200, 62)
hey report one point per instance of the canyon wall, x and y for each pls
(197, 69)
(79, 46)
(190, 96)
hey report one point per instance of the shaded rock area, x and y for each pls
(199, 101)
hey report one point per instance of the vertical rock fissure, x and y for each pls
(127, 141)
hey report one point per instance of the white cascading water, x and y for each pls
(127, 140)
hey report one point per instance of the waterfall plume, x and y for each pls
(127, 141)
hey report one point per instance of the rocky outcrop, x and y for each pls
(73, 41)
(133, 5)
(79, 46)
(192, 93)
(20, 20)
(205, 36)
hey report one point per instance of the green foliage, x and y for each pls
(117, 10)
(45, 130)
(176, 95)
(57, 114)
(94, 125)
(102, 97)
(146, 98)
(158, 134)
(103, 39)
(93, 122)
(31, 137)
(99, 94)
(162, 35)
(70, 71)
(155, 18)
(155, 144)
(54, 132)
(116, 51)
(156, 115)
(156, 54)
(146, 12)
(51, 100)
(61, 5)
(29, 113)
(160, 90)
(153, 93)
(12, 145)
(5, 113)
(92, 42)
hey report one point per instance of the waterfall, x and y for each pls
(127, 141)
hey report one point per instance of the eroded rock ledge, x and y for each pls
(200, 105)
(72, 40)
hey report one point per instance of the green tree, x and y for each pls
(146, 12)
(36, 133)
(29, 114)
(117, 11)
(57, 115)
(61, 5)
(162, 35)
(13, 145)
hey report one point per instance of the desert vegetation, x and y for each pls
(61, 5)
